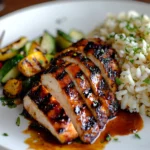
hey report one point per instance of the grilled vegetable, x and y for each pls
(76, 35)
(9, 65)
(27, 47)
(49, 57)
(13, 73)
(12, 88)
(34, 48)
(48, 44)
(64, 35)
(38, 40)
(63, 40)
(32, 64)
(12, 49)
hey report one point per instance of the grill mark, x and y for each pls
(90, 123)
(87, 92)
(51, 69)
(79, 74)
(60, 116)
(38, 63)
(45, 104)
(60, 130)
(61, 75)
(26, 61)
(98, 50)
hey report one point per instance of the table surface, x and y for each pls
(12, 5)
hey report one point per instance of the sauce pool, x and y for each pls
(123, 124)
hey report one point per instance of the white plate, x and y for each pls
(80, 15)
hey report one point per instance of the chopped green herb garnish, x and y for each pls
(8, 102)
(137, 135)
(136, 50)
(118, 81)
(18, 121)
(5, 134)
(75, 54)
(82, 77)
(132, 61)
(147, 81)
(108, 137)
(41, 62)
(127, 51)
(115, 139)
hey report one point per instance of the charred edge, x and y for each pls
(107, 64)
(99, 50)
(61, 75)
(79, 74)
(113, 107)
(94, 70)
(60, 116)
(87, 92)
(51, 69)
(68, 88)
(42, 101)
(60, 130)
(103, 85)
(89, 124)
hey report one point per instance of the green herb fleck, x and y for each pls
(75, 54)
(132, 61)
(136, 50)
(137, 135)
(116, 139)
(41, 62)
(127, 51)
(147, 81)
(8, 102)
(18, 121)
(130, 27)
(108, 137)
(5, 134)
(82, 77)
(118, 81)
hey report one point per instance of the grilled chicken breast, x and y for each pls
(61, 86)
(45, 109)
(82, 80)
(93, 74)
(98, 109)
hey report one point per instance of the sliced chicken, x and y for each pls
(61, 86)
(103, 56)
(98, 109)
(93, 74)
(45, 109)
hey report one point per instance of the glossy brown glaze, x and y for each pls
(123, 124)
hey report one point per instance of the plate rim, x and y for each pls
(53, 3)
(35, 6)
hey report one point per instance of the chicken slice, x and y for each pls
(98, 109)
(61, 86)
(45, 109)
(103, 56)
